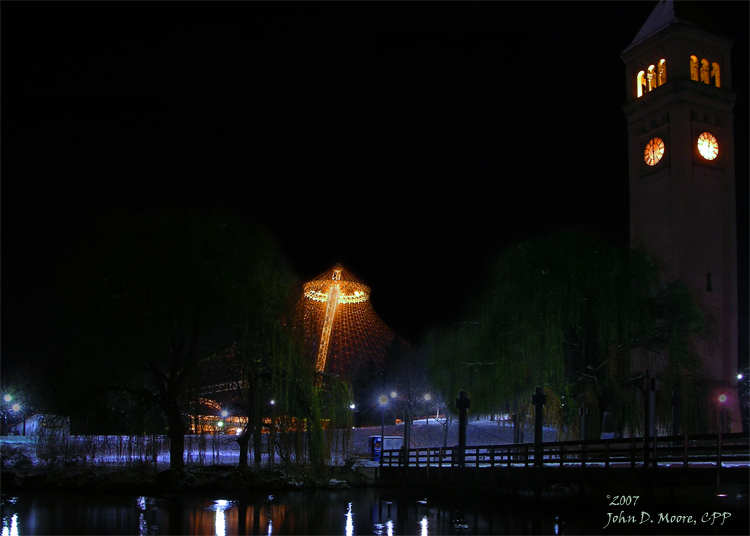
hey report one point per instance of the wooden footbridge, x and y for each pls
(712, 458)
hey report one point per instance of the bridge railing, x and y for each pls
(685, 451)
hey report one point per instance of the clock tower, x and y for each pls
(682, 178)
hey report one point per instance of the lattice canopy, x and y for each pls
(342, 330)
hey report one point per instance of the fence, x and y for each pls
(684, 451)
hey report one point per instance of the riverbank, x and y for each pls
(198, 478)
(23, 471)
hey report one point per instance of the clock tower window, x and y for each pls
(716, 74)
(699, 71)
(704, 71)
(652, 78)
(641, 83)
(663, 72)
(694, 69)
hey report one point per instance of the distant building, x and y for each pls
(344, 337)
(40, 423)
(342, 330)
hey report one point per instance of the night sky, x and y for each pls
(410, 142)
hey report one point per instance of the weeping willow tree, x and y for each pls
(586, 321)
(335, 395)
(274, 385)
(275, 382)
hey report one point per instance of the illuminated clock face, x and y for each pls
(708, 147)
(654, 151)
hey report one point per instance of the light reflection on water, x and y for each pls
(10, 526)
(349, 524)
(350, 512)
(220, 524)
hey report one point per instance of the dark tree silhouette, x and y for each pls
(146, 296)
(586, 321)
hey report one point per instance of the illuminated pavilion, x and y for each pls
(343, 334)
(342, 330)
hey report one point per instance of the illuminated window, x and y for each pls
(694, 73)
(716, 74)
(651, 76)
(641, 83)
(662, 72)
(705, 77)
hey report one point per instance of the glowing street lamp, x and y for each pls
(16, 407)
(7, 398)
(427, 398)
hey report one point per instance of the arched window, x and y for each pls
(716, 74)
(663, 72)
(641, 83)
(705, 77)
(694, 69)
(651, 77)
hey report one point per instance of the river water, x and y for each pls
(357, 511)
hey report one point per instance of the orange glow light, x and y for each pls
(708, 146)
(654, 151)
(341, 328)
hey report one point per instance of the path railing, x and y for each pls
(673, 451)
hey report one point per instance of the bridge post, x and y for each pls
(676, 403)
(583, 412)
(650, 388)
(718, 460)
(538, 400)
(462, 404)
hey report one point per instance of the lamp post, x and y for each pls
(383, 403)
(7, 397)
(16, 408)
(427, 399)
(721, 407)
(394, 394)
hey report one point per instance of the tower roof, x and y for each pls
(669, 12)
(337, 273)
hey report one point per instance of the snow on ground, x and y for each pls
(222, 449)
(430, 434)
